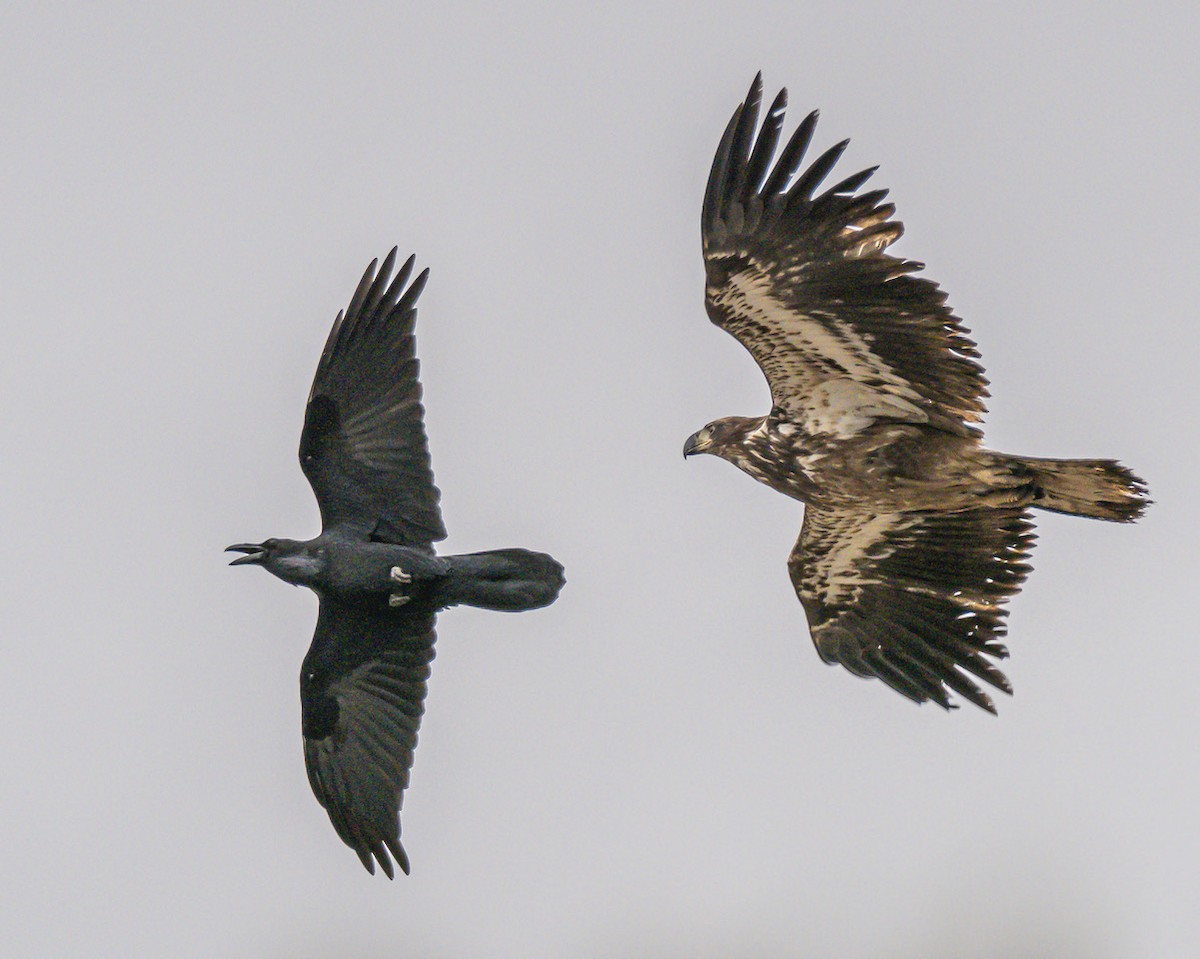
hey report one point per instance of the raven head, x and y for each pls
(291, 560)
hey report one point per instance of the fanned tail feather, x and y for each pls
(509, 580)
(1100, 489)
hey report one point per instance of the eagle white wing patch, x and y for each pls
(845, 558)
(844, 407)
(822, 371)
(913, 598)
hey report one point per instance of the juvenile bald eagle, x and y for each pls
(914, 534)
(381, 585)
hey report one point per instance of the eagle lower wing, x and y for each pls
(363, 447)
(843, 331)
(362, 693)
(913, 598)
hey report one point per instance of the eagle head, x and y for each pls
(724, 437)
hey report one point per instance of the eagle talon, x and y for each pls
(399, 576)
(398, 599)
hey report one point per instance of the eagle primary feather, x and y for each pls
(914, 534)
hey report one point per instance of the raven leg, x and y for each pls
(398, 575)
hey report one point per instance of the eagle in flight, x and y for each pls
(914, 534)
(380, 582)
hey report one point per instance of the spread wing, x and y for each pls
(843, 331)
(362, 693)
(363, 448)
(913, 598)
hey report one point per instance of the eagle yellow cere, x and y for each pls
(914, 534)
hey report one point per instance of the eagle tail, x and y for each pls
(1101, 489)
(510, 580)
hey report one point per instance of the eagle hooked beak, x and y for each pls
(696, 443)
(255, 553)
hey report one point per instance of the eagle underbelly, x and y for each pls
(890, 466)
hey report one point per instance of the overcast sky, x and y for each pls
(658, 765)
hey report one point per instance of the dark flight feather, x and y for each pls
(792, 155)
(363, 447)
(814, 274)
(362, 693)
(913, 595)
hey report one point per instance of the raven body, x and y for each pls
(381, 585)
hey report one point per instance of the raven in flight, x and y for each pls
(914, 534)
(381, 585)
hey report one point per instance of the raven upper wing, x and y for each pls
(362, 692)
(912, 598)
(841, 329)
(363, 448)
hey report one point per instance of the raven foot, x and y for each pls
(397, 575)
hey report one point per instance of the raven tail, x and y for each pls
(510, 580)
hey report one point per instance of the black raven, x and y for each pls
(381, 585)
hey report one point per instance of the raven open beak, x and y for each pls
(254, 553)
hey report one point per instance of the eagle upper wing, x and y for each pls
(843, 331)
(362, 693)
(913, 598)
(363, 447)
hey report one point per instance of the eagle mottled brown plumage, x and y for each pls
(914, 534)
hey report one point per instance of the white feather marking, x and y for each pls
(808, 462)
(800, 353)
(843, 407)
(840, 574)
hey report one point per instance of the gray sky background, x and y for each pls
(658, 765)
